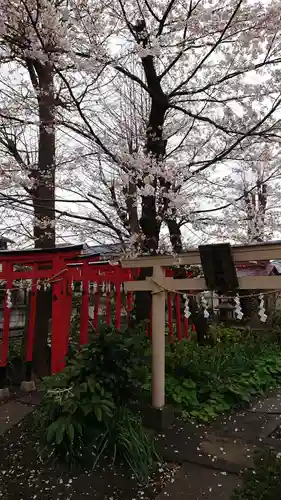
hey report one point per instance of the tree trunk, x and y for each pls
(44, 206)
(155, 149)
(175, 235)
(44, 176)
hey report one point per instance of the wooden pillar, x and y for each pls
(158, 341)
(58, 318)
(84, 311)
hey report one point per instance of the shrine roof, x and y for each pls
(36, 251)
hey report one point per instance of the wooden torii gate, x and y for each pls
(159, 285)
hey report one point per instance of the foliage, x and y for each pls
(84, 413)
(126, 438)
(15, 349)
(73, 407)
(276, 324)
(118, 362)
(264, 482)
(206, 381)
(224, 334)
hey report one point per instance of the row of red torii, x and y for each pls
(59, 269)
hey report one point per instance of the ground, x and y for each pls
(205, 461)
(24, 477)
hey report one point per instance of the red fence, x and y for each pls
(60, 270)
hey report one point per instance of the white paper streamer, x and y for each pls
(204, 305)
(9, 299)
(187, 312)
(238, 310)
(28, 285)
(261, 313)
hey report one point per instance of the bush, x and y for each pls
(84, 413)
(226, 335)
(120, 362)
(206, 381)
(74, 407)
(264, 482)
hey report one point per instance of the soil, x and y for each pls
(276, 433)
(23, 476)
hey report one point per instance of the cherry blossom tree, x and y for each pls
(31, 102)
(28, 114)
(210, 72)
(210, 75)
(244, 206)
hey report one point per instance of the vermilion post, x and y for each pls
(170, 316)
(84, 312)
(118, 305)
(7, 315)
(96, 309)
(108, 306)
(31, 322)
(68, 312)
(178, 316)
(58, 344)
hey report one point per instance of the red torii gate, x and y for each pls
(59, 268)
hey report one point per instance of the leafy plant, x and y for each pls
(119, 361)
(74, 404)
(84, 413)
(223, 334)
(126, 439)
(204, 382)
(264, 482)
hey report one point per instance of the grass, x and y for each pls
(203, 382)
(264, 482)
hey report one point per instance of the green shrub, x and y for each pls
(224, 334)
(84, 413)
(120, 362)
(205, 381)
(73, 407)
(262, 483)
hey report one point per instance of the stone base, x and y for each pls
(28, 386)
(4, 393)
(158, 419)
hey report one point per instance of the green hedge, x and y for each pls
(205, 381)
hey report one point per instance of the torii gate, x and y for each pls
(159, 285)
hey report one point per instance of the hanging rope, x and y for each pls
(229, 297)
